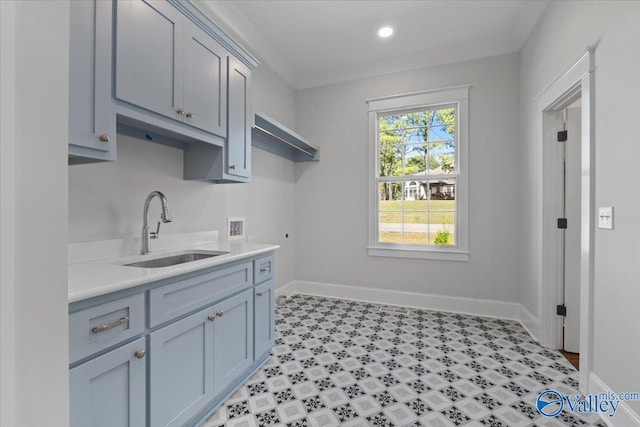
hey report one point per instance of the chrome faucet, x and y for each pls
(165, 216)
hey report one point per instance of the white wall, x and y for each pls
(106, 200)
(566, 29)
(35, 39)
(331, 196)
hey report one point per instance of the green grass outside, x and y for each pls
(440, 211)
(418, 205)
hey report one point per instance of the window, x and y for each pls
(418, 175)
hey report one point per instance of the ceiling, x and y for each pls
(316, 42)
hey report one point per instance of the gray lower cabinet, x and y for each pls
(169, 352)
(181, 369)
(232, 338)
(265, 319)
(92, 119)
(110, 390)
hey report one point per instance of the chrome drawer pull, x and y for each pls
(103, 328)
(259, 294)
(211, 317)
(267, 268)
(220, 313)
(140, 353)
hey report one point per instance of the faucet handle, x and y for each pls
(154, 234)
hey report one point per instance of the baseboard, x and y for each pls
(625, 416)
(530, 322)
(287, 289)
(476, 307)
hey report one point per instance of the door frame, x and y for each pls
(577, 80)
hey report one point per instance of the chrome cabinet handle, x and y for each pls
(220, 313)
(211, 317)
(232, 167)
(120, 321)
(140, 353)
(259, 294)
(190, 115)
(105, 137)
(180, 111)
(267, 268)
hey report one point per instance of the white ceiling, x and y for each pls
(316, 42)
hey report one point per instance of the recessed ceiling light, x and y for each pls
(385, 32)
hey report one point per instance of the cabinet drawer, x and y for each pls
(97, 328)
(264, 269)
(174, 300)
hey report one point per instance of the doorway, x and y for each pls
(577, 83)
(568, 137)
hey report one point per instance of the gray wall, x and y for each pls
(34, 373)
(106, 200)
(555, 44)
(331, 196)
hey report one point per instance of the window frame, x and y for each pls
(427, 100)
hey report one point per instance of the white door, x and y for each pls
(572, 233)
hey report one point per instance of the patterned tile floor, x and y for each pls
(345, 363)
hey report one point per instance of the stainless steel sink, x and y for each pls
(175, 259)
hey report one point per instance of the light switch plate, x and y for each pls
(605, 218)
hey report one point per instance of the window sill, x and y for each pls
(438, 255)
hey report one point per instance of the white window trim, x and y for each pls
(458, 95)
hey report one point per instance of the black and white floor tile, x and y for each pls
(346, 363)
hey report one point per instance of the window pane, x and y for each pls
(442, 157)
(416, 156)
(391, 156)
(417, 205)
(442, 189)
(415, 228)
(390, 227)
(390, 196)
(442, 235)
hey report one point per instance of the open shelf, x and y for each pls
(271, 136)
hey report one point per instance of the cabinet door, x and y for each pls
(181, 369)
(264, 321)
(149, 53)
(92, 120)
(109, 391)
(240, 119)
(205, 77)
(232, 338)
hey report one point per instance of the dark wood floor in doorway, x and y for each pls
(573, 358)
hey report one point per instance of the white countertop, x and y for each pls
(95, 277)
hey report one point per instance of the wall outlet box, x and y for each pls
(605, 218)
(236, 229)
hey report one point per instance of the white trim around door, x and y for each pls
(578, 80)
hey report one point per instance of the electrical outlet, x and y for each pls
(605, 218)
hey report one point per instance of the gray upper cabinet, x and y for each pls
(162, 71)
(240, 120)
(92, 120)
(205, 78)
(149, 49)
(168, 65)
